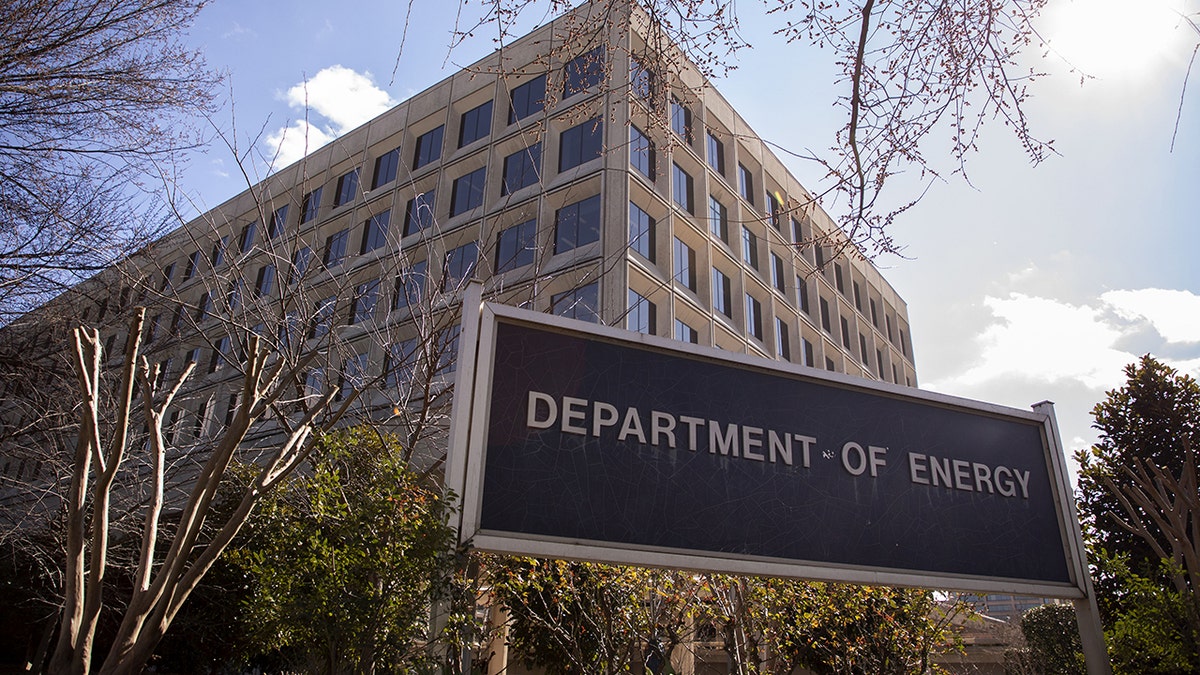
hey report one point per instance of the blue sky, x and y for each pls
(1025, 284)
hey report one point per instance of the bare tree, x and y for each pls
(94, 99)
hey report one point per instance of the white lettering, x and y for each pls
(860, 458)
(1004, 481)
(692, 423)
(727, 444)
(664, 424)
(806, 442)
(531, 418)
(573, 409)
(632, 426)
(983, 475)
(916, 464)
(878, 459)
(780, 447)
(962, 476)
(752, 438)
(1024, 481)
(603, 415)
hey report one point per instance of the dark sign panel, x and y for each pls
(611, 443)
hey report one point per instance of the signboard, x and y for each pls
(589, 442)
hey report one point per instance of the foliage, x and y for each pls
(572, 618)
(346, 561)
(1052, 633)
(1139, 507)
(94, 95)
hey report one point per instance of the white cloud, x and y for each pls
(342, 96)
(332, 102)
(1044, 340)
(292, 143)
(1174, 314)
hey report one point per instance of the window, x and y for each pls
(903, 344)
(189, 270)
(400, 363)
(300, 260)
(776, 211)
(754, 323)
(642, 314)
(203, 305)
(722, 293)
(879, 364)
(521, 168)
(278, 222)
(579, 303)
(825, 316)
(459, 265)
(220, 354)
(802, 294)
(310, 205)
(681, 120)
(749, 248)
(583, 72)
(829, 364)
(354, 375)
(447, 350)
(577, 224)
(289, 330)
(314, 382)
(685, 333)
(845, 332)
(467, 191)
(335, 248)
(265, 281)
(362, 308)
(777, 274)
(819, 252)
(322, 318)
(475, 124)
(579, 144)
(685, 264)
(427, 148)
(641, 232)
(782, 344)
(385, 168)
(375, 231)
(798, 235)
(745, 184)
(874, 315)
(837, 278)
(218, 253)
(718, 219)
(641, 80)
(641, 152)
(862, 349)
(246, 238)
(857, 296)
(167, 273)
(347, 188)
(515, 246)
(887, 320)
(152, 328)
(895, 374)
(807, 348)
(681, 187)
(410, 286)
(419, 213)
(716, 154)
(527, 99)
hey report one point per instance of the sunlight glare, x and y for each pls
(1112, 38)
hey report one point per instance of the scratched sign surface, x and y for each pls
(599, 441)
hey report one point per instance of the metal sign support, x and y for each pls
(1087, 614)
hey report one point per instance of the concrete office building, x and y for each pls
(583, 170)
(586, 169)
